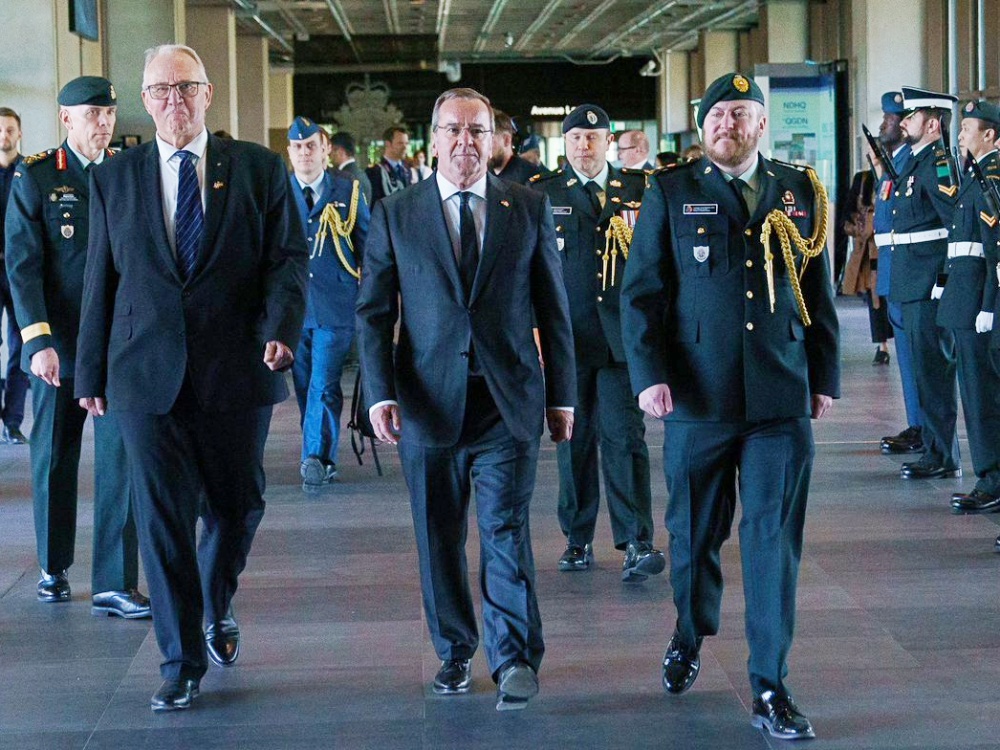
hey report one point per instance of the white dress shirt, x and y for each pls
(84, 161)
(170, 177)
(316, 185)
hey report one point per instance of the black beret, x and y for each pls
(588, 117)
(88, 90)
(731, 87)
(982, 110)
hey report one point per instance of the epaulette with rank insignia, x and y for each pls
(797, 167)
(39, 157)
(109, 152)
(541, 176)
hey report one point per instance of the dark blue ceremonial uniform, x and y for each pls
(696, 316)
(519, 170)
(606, 411)
(328, 329)
(15, 384)
(46, 247)
(387, 179)
(922, 211)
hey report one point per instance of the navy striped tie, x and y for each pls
(189, 221)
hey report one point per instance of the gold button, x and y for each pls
(559, 228)
(897, 193)
(893, 212)
(749, 264)
(747, 232)
(749, 326)
(65, 216)
(701, 230)
(598, 252)
(749, 294)
(598, 274)
(600, 299)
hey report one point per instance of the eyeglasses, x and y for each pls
(186, 89)
(453, 131)
(626, 148)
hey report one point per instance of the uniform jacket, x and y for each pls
(972, 281)
(884, 197)
(591, 284)
(333, 290)
(519, 170)
(46, 247)
(384, 180)
(409, 257)
(695, 311)
(919, 205)
(143, 328)
(352, 170)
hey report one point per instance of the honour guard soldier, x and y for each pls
(391, 174)
(890, 135)
(594, 206)
(923, 204)
(46, 243)
(335, 216)
(968, 300)
(731, 334)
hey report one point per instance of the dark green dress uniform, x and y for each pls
(971, 288)
(46, 239)
(696, 316)
(922, 212)
(606, 411)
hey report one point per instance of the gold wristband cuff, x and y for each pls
(34, 331)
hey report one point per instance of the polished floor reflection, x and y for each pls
(898, 637)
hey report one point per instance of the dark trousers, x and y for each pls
(769, 463)
(319, 363)
(56, 436)
(183, 464)
(502, 472)
(878, 318)
(606, 414)
(933, 351)
(904, 359)
(979, 387)
(15, 384)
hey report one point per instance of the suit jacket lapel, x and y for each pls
(152, 188)
(216, 192)
(497, 222)
(429, 200)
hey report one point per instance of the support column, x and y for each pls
(253, 88)
(788, 31)
(133, 26)
(211, 31)
(674, 93)
(720, 49)
(282, 108)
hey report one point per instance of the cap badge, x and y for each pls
(111, 91)
(592, 117)
(898, 98)
(741, 84)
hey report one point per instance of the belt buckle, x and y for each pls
(892, 237)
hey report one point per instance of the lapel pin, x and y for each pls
(708, 170)
(615, 183)
(505, 203)
(571, 182)
(218, 184)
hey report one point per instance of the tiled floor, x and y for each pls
(898, 637)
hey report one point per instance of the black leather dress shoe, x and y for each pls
(680, 666)
(576, 558)
(881, 357)
(909, 440)
(53, 587)
(317, 474)
(13, 436)
(174, 695)
(517, 683)
(976, 501)
(454, 677)
(128, 604)
(779, 715)
(926, 470)
(222, 638)
(641, 561)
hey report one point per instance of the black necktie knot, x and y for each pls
(310, 196)
(737, 186)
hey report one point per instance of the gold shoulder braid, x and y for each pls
(788, 234)
(331, 223)
(618, 239)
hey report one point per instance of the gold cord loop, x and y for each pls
(618, 240)
(331, 224)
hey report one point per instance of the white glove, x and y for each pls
(984, 322)
(937, 291)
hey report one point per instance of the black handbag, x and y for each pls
(361, 426)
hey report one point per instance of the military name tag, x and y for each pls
(69, 198)
(560, 243)
(562, 210)
(67, 231)
(701, 253)
(701, 209)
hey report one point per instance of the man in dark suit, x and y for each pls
(923, 205)
(46, 247)
(633, 150)
(342, 152)
(391, 174)
(459, 262)
(719, 343)
(504, 162)
(590, 201)
(967, 303)
(335, 216)
(193, 304)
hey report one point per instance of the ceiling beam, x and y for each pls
(251, 12)
(586, 23)
(489, 24)
(733, 14)
(291, 19)
(444, 14)
(344, 24)
(634, 24)
(538, 23)
(391, 16)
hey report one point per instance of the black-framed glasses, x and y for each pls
(186, 89)
(626, 148)
(454, 131)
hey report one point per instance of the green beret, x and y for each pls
(731, 87)
(588, 117)
(92, 90)
(982, 110)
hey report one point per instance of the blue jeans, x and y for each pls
(319, 362)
